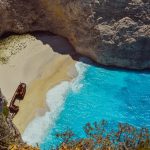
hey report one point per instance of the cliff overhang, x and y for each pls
(112, 33)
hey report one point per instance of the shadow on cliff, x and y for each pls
(62, 46)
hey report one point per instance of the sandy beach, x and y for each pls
(41, 65)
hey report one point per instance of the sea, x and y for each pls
(97, 93)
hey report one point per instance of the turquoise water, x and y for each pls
(117, 96)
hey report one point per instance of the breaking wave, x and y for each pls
(39, 126)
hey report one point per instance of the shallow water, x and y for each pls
(116, 96)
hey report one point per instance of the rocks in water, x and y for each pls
(113, 33)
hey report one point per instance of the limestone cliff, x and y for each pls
(114, 33)
(8, 132)
(10, 137)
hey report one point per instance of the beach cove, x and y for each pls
(96, 94)
(41, 67)
(63, 93)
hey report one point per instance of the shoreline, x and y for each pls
(39, 126)
(55, 99)
(38, 107)
(40, 75)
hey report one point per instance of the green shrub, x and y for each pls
(5, 111)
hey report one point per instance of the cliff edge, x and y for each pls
(112, 33)
(10, 137)
(8, 132)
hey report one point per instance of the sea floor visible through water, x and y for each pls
(96, 94)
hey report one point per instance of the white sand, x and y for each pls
(41, 68)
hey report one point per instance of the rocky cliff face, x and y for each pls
(113, 33)
(10, 137)
(8, 132)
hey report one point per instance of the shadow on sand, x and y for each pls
(62, 46)
(59, 44)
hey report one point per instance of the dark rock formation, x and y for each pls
(8, 132)
(9, 135)
(113, 33)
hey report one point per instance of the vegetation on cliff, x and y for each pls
(98, 136)
(10, 137)
(8, 132)
(22, 147)
(7, 135)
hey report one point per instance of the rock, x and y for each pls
(112, 33)
(8, 132)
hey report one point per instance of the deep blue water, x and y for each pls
(116, 96)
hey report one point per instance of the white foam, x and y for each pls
(38, 127)
(76, 84)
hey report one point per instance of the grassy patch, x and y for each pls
(12, 45)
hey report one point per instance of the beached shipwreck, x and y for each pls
(18, 95)
(112, 33)
(9, 134)
(10, 137)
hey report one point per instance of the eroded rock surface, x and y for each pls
(8, 132)
(113, 33)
